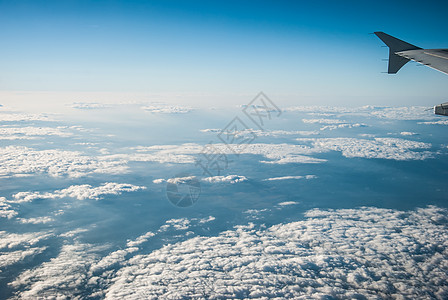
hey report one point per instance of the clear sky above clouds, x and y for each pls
(300, 51)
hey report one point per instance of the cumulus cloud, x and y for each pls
(80, 192)
(24, 161)
(6, 210)
(381, 112)
(225, 179)
(347, 253)
(62, 277)
(323, 121)
(28, 132)
(288, 203)
(17, 247)
(272, 133)
(440, 122)
(186, 153)
(38, 220)
(332, 124)
(291, 177)
(388, 148)
(167, 109)
(89, 105)
(23, 117)
(385, 148)
(407, 133)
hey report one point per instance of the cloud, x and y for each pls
(381, 112)
(80, 192)
(332, 124)
(28, 132)
(23, 117)
(272, 133)
(6, 210)
(347, 253)
(288, 203)
(225, 179)
(323, 121)
(39, 220)
(291, 177)
(384, 148)
(89, 105)
(167, 109)
(407, 133)
(440, 122)
(23, 161)
(17, 247)
(187, 153)
(62, 277)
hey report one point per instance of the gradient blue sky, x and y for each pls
(306, 51)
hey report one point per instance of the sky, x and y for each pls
(314, 52)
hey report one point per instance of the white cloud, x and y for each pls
(288, 203)
(407, 133)
(6, 210)
(440, 122)
(80, 192)
(347, 253)
(24, 161)
(62, 277)
(273, 133)
(332, 124)
(385, 148)
(89, 105)
(16, 247)
(381, 112)
(291, 177)
(186, 153)
(23, 117)
(167, 109)
(225, 179)
(323, 121)
(28, 132)
(38, 220)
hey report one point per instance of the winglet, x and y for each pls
(395, 45)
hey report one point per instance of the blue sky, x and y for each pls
(318, 51)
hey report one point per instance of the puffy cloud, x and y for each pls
(16, 247)
(38, 220)
(273, 133)
(80, 192)
(186, 153)
(332, 124)
(167, 109)
(291, 177)
(347, 253)
(381, 112)
(288, 203)
(62, 277)
(89, 105)
(388, 148)
(24, 161)
(23, 117)
(225, 179)
(440, 122)
(385, 148)
(6, 210)
(407, 133)
(323, 121)
(28, 132)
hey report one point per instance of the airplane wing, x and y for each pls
(400, 52)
